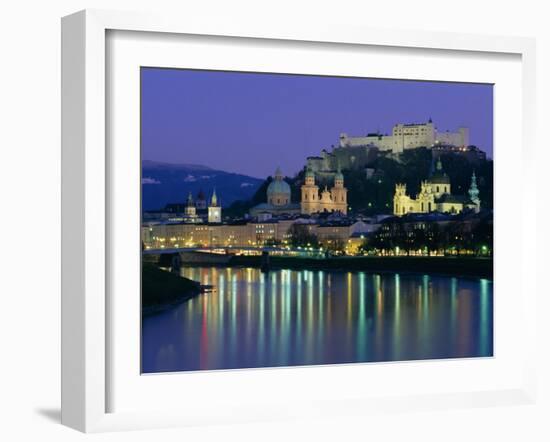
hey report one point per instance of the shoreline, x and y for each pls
(468, 267)
(163, 290)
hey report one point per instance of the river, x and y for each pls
(288, 318)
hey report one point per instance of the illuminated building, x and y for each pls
(278, 199)
(435, 196)
(334, 200)
(214, 210)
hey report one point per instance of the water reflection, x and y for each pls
(317, 317)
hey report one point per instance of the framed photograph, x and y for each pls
(292, 222)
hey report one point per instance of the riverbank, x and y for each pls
(452, 266)
(161, 290)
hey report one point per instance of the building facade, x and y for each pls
(435, 196)
(409, 136)
(278, 199)
(190, 214)
(254, 234)
(333, 200)
(214, 210)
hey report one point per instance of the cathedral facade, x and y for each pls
(335, 200)
(312, 201)
(278, 199)
(435, 196)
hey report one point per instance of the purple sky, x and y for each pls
(251, 123)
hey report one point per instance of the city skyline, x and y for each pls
(216, 119)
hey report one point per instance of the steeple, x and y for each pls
(474, 191)
(214, 201)
(214, 209)
(438, 165)
(190, 209)
(278, 174)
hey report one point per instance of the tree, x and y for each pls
(482, 237)
(300, 236)
(459, 236)
(335, 244)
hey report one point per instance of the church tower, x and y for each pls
(339, 194)
(473, 192)
(401, 200)
(190, 209)
(310, 194)
(440, 182)
(214, 210)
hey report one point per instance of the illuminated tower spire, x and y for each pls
(214, 201)
(474, 191)
(214, 210)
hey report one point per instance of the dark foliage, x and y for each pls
(159, 287)
(374, 195)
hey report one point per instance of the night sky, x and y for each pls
(251, 123)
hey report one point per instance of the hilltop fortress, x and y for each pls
(357, 151)
(409, 136)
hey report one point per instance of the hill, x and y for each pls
(373, 193)
(164, 183)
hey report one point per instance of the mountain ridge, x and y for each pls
(166, 183)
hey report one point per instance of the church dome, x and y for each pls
(439, 177)
(278, 186)
(442, 178)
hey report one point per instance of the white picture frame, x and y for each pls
(85, 202)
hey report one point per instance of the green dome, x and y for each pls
(278, 186)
